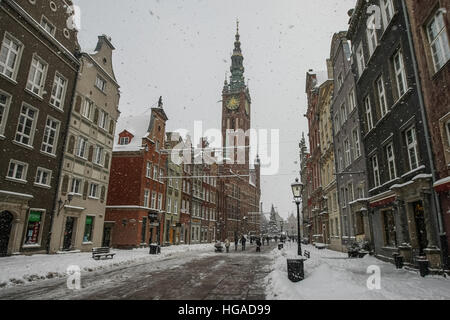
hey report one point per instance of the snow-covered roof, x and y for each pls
(137, 125)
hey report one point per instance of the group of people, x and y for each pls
(243, 241)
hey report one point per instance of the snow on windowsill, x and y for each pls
(412, 171)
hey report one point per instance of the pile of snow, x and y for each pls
(331, 275)
(21, 269)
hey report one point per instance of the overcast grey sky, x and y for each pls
(181, 50)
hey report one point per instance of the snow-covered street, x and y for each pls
(330, 275)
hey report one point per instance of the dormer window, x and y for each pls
(124, 141)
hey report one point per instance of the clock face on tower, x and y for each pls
(233, 103)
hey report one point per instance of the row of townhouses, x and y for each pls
(378, 164)
(69, 182)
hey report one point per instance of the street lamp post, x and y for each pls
(297, 189)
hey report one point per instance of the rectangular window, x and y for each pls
(340, 161)
(376, 171)
(447, 126)
(5, 101)
(340, 81)
(76, 186)
(146, 198)
(356, 143)
(160, 202)
(387, 12)
(155, 173)
(438, 38)
(88, 227)
(351, 194)
(161, 175)
(369, 118)
(88, 106)
(103, 120)
(391, 161)
(36, 78)
(360, 59)
(372, 39)
(33, 227)
(169, 205)
(148, 170)
(50, 28)
(58, 92)
(9, 57)
(26, 125)
(343, 114)
(153, 200)
(100, 83)
(82, 146)
(17, 170)
(400, 73)
(351, 100)
(390, 237)
(347, 152)
(99, 151)
(124, 141)
(411, 144)
(43, 177)
(337, 125)
(50, 136)
(93, 191)
(382, 96)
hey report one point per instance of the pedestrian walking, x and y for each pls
(243, 241)
(236, 243)
(227, 245)
(258, 245)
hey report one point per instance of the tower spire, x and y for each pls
(237, 80)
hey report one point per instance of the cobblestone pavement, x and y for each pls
(238, 275)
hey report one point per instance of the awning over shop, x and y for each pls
(442, 185)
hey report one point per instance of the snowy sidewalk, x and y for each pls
(330, 275)
(22, 269)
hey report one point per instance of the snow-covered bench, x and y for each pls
(320, 246)
(97, 253)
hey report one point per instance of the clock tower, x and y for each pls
(236, 107)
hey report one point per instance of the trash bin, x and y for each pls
(280, 246)
(155, 249)
(398, 260)
(296, 270)
(423, 267)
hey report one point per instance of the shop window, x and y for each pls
(88, 229)
(33, 227)
(390, 236)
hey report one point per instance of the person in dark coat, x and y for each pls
(258, 245)
(236, 243)
(243, 241)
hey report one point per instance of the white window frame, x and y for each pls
(48, 147)
(376, 171)
(146, 198)
(16, 163)
(38, 70)
(412, 147)
(382, 96)
(360, 59)
(88, 107)
(356, 143)
(78, 185)
(369, 115)
(100, 83)
(48, 26)
(343, 112)
(124, 141)
(40, 175)
(387, 12)
(160, 201)
(400, 74)
(59, 89)
(351, 100)
(439, 45)
(347, 150)
(99, 155)
(93, 190)
(82, 147)
(372, 38)
(20, 135)
(447, 128)
(9, 51)
(103, 119)
(169, 205)
(153, 204)
(148, 170)
(4, 114)
(390, 155)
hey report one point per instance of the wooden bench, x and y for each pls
(97, 253)
(307, 254)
